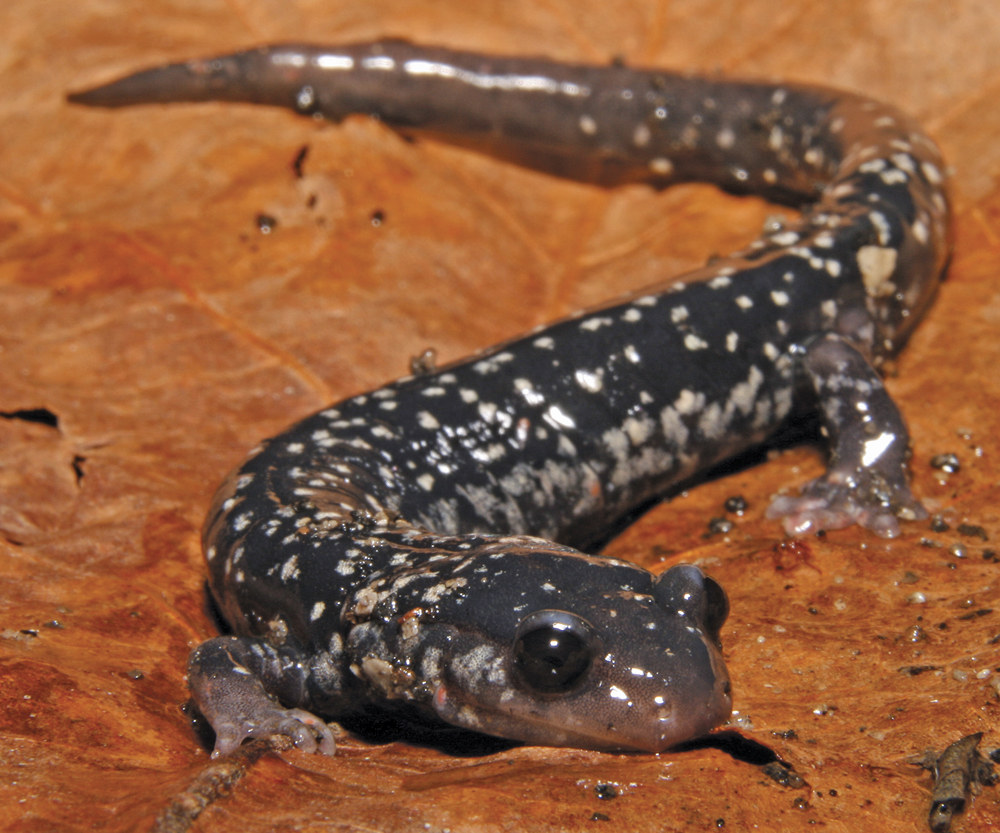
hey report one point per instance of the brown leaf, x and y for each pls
(144, 310)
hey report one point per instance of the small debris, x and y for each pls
(425, 363)
(975, 614)
(959, 771)
(299, 161)
(946, 462)
(917, 670)
(43, 416)
(736, 504)
(939, 524)
(719, 526)
(783, 774)
(213, 781)
(972, 531)
(606, 791)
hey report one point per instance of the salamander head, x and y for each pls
(591, 653)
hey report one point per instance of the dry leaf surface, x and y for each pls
(150, 334)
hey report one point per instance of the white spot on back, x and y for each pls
(638, 430)
(290, 569)
(674, 429)
(932, 173)
(785, 238)
(881, 226)
(873, 166)
(689, 402)
(661, 165)
(526, 389)
(877, 265)
(595, 323)
(559, 418)
(566, 447)
(591, 381)
(713, 422)
(744, 394)
(427, 420)
(814, 157)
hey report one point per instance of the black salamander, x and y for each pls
(396, 549)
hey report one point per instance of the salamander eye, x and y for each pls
(553, 650)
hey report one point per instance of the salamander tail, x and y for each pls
(214, 79)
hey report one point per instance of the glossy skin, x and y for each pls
(397, 547)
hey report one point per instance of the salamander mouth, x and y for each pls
(537, 729)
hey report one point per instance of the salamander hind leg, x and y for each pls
(235, 681)
(866, 481)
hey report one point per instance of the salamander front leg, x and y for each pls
(235, 682)
(866, 481)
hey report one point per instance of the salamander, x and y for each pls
(420, 548)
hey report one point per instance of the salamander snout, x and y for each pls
(633, 668)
